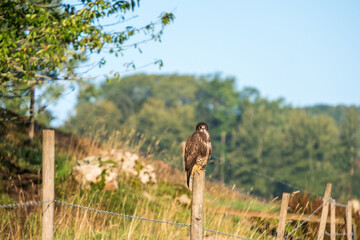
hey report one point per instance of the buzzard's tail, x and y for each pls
(188, 178)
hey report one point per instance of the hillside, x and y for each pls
(227, 209)
(21, 182)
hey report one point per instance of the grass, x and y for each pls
(154, 201)
(72, 223)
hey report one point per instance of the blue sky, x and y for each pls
(307, 52)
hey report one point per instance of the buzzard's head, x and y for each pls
(202, 127)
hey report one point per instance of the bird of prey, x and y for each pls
(197, 151)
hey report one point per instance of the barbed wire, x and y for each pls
(307, 219)
(25, 204)
(143, 219)
(226, 234)
(32, 203)
(120, 214)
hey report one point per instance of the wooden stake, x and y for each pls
(332, 221)
(325, 212)
(197, 204)
(348, 221)
(48, 159)
(282, 218)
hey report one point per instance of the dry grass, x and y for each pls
(73, 223)
(156, 201)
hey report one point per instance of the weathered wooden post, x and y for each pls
(348, 221)
(325, 211)
(332, 220)
(197, 205)
(48, 158)
(282, 218)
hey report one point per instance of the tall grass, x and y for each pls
(154, 201)
(151, 201)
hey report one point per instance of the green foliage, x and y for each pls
(41, 36)
(40, 39)
(304, 147)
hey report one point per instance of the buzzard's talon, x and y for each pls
(196, 169)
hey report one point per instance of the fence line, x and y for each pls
(120, 214)
(32, 203)
(48, 195)
(35, 203)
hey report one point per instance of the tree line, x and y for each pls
(252, 136)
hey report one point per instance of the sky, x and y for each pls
(307, 52)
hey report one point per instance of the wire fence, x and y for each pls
(59, 202)
(25, 204)
(32, 203)
(36, 203)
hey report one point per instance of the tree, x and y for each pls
(309, 150)
(256, 142)
(41, 38)
(350, 145)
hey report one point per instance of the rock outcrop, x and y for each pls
(105, 169)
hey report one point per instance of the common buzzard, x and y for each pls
(197, 151)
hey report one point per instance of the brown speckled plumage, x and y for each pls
(197, 151)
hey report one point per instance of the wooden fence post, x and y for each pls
(354, 231)
(325, 212)
(282, 218)
(332, 220)
(348, 221)
(197, 204)
(48, 158)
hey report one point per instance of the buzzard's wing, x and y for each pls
(194, 148)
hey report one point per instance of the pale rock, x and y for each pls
(89, 169)
(128, 163)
